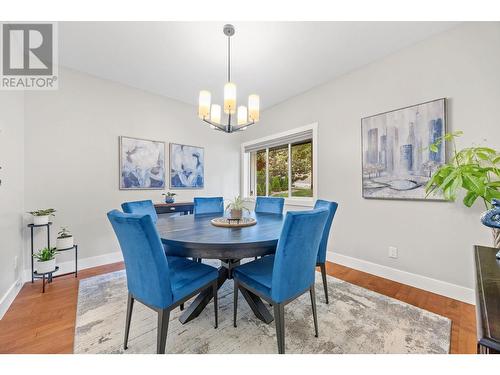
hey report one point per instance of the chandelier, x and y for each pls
(211, 113)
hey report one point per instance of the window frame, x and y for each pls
(248, 171)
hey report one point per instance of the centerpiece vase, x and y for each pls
(236, 214)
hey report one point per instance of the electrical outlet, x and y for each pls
(393, 252)
(15, 262)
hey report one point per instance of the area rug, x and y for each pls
(356, 321)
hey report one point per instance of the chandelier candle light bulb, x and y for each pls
(253, 107)
(242, 115)
(215, 113)
(204, 104)
(230, 98)
(212, 113)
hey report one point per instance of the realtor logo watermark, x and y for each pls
(28, 56)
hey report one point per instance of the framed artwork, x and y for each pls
(187, 167)
(396, 161)
(142, 164)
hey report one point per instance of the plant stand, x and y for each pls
(49, 276)
(75, 272)
(45, 275)
(32, 227)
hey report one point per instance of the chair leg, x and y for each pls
(279, 318)
(161, 340)
(322, 266)
(130, 306)
(312, 292)
(235, 302)
(181, 306)
(214, 289)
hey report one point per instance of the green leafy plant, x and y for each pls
(64, 233)
(169, 194)
(45, 254)
(238, 203)
(476, 170)
(44, 212)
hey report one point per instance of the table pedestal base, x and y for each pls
(204, 298)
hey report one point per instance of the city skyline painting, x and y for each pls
(397, 161)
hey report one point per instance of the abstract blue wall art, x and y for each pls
(187, 165)
(142, 164)
(397, 161)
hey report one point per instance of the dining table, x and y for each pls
(195, 236)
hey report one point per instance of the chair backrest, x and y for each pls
(323, 246)
(148, 275)
(270, 205)
(208, 205)
(295, 259)
(141, 208)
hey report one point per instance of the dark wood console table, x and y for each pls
(487, 299)
(185, 208)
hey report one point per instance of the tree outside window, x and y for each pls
(276, 161)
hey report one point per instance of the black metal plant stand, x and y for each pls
(75, 272)
(32, 226)
(48, 275)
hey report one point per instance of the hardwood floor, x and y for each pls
(45, 323)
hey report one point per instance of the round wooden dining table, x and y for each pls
(195, 236)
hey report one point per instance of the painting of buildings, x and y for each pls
(397, 161)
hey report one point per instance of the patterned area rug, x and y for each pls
(356, 321)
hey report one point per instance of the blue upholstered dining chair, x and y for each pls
(146, 207)
(208, 205)
(151, 280)
(270, 205)
(141, 208)
(281, 278)
(323, 245)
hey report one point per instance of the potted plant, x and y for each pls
(236, 208)
(41, 217)
(45, 260)
(475, 170)
(64, 239)
(169, 197)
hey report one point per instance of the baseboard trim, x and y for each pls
(418, 281)
(9, 297)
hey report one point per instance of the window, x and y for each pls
(281, 166)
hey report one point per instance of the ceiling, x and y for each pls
(276, 60)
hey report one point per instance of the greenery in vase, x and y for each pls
(44, 212)
(476, 170)
(169, 194)
(64, 233)
(45, 254)
(238, 204)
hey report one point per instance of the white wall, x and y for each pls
(434, 238)
(72, 153)
(11, 194)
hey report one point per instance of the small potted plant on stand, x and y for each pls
(169, 197)
(236, 208)
(41, 217)
(64, 239)
(45, 260)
